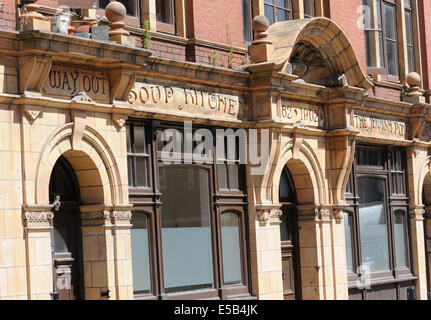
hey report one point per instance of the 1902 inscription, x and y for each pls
(302, 114)
(66, 82)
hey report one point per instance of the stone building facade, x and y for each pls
(90, 209)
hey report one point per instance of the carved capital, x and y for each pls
(33, 70)
(314, 213)
(121, 83)
(417, 213)
(119, 120)
(121, 217)
(37, 217)
(95, 216)
(268, 213)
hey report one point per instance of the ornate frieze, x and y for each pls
(37, 216)
(107, 216)
(268, 214)
(417, 212)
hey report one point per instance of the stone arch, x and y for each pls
(94, 164)
(321, 39)
(306, 174)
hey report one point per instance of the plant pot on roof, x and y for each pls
(31, 19)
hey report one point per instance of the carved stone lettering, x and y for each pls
(68, 82)
(301, 114)
(380, 127)
(156, 98)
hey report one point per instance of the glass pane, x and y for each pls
(233, 176)
(141, 172)
(130, 170)
(373, 223)
(61, 235)
(390, 24)
(281, 15)
(140, 254)
(130, 8)
(231, 247)
(379, 14)
(400, 239)
(381, 52)
(140, 141)
(286, 193)
(281, 3)
(309, 8)
(409, 30)
(222, 176)
(411, 59)
(407, 3)
(186, 229)
(246, 18)
(103, 3)
(284, 227)
(392, 52)
(269, 13)
(128, 139)
(348, 235)
(164, 11)
(348, 186)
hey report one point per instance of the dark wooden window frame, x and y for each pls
(168, 27)
(313, 8)
(148, 200)
(394, 202)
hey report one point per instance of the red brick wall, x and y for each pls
(211, 20)
(168, 50)
(8, 15)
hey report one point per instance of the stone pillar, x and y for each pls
(322, 253)
(98, 253)
(418, 249)
(38, 222)
(121, 217)
(265, 251)
(31, 19)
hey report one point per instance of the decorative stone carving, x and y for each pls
(417, 212)
(260, 49)
(37, 216)
(119, 120)
(121, 217)
(268, 213)
(31, 112)
(121, 83)
(81, 97)
(95, 218)
(313, 213)
(33, 70)
(337, 80)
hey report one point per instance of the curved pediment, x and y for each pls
(316, 50)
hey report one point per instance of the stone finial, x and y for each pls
(414, 94)
(32, 20)
(261, 49)
(115, 12)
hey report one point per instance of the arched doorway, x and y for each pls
(289, 238)
(67, 238)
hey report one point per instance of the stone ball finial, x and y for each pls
(414, 79)
(260, 24)
(115, 11)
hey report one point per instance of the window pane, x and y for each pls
(373, 223)
(285, 190)
(281, 3)
(130, 6)
(141, 172)
(392, 52)
(128, 139)
(61, 236)
(400, 239)
(379, 14)
(409, 31)
(140, 254)
(411, 58)
(269, 13)
(130, 170)
(407, 3)
(231, 247)
(103, 3)
(140, 141)
(284, 227)
(233, 176)
(281, 15)
(348, 235)
(222, 176)
(390, 24)
(309, 8)
(186, 229)
(246, 20)
(164, 11)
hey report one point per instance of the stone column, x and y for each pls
(98, 253)
(265, 251)
(418, 249)
(121, 217)
(38, 222)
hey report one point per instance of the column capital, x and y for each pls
(37, 216)
(268, 213)
(416, 212)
